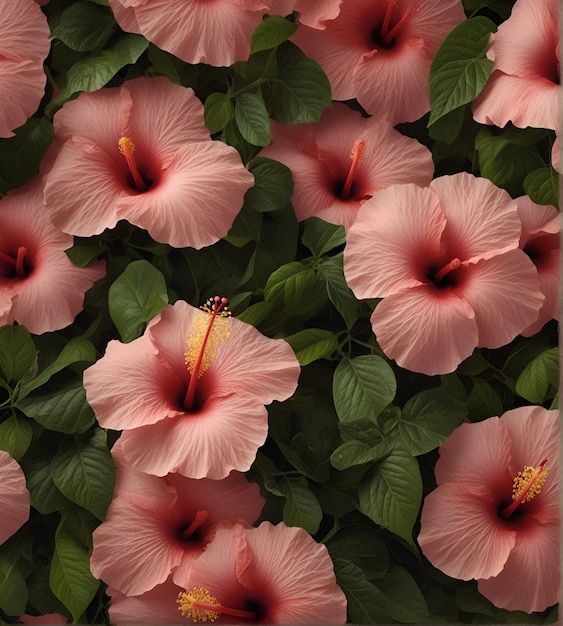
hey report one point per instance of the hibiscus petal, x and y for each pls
(425, 330)
(14, 497)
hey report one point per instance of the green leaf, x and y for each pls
(13, 590)
(273, 185)
(542, 185)
(322, 237)
(460, 69)
(301, 90)
(428, 419)
(403, 597)
(339, 293)
(252, 118)
(45, 496)
(312, 344)
(20, 155)
(70, 577)
(366, 604)
(131, 298)
(297, 288)
(218, 111)
(270, 33)
(84, 26)
(77, 350)
(81, 254)
(362, 387)
(17, 352)
(539, 377)
(60, 406)
(363, 546)
(15, 436)
(85, 473)
(301, 507)
(483, 401)
(97, 69)
(390, 493)
(352, 453)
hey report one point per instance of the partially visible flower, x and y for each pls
(14, 497)
(24, 45)
(342, 160)
(141, 152)
(445, 260)
(313, 13)
(40, 287)
(494, 516)
(540, 241)
(156, 525)
(524, 85)
(189, 29)
(380, 52)
(48, 618)
(189, 394)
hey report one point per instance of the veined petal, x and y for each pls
(14, 497)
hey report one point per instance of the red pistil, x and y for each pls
(200, 606)
(127, 148)
(225, 610)
(528, 484)
(199, 519)
(357, 156)
(16, 262)
(454, 264)
(218, 305)
(388, 35)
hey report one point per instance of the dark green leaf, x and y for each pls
(362, 387)
(85, 472)
(542, 185)
(540, 377)
(322, 237)
(460, 69)
(483, 401)
(45, 496)
(391, 492)
(84, 26)
(403, 597)
(13, 590)
(271, 32)
(273, 185)
(17, 352)
(218, 111)
(339, 293)
(312, 344)
(15, 436)
(83, 253)
(301, 90)
(301, 507)
(70, 577)
(297, 288)
(132, 298)
(363, 546)
(252, 118)
(353, 453)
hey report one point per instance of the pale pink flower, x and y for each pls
(217, 33)
(380, 52)
(524, 85)
(342, 160)
(540, 241)
(175, 421)
(265, 575)
(156, 525)
(24, 45)
(48, 618)
(473, 527)
(14, 497)
(40, 287)
(445, 260)
(313, 13)
(141, 152)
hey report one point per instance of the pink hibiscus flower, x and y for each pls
(48, 618)
(447, 263)
(540, 241)
(380, 52)
(141, 152)
(495, 514)
(524, 86)
(24, 45)
(313, 13)
(172, 517)
(341, 161)
(194, 402)
(270, 574)
(14, 497)
(39, 285)
(188, 29)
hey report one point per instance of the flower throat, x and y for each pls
(208, 331)
(16, 262)
(527, 484)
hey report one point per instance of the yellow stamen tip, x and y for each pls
(358, 150)
(188, 601)
(126, 146)
(529, 480)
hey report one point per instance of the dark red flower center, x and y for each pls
(385, 34)
(446, 276)
(127, 149)
(541, 250)
(526, 486)
(190, 532)
(14, 266)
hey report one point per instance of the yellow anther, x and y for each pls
(198, 605)
(528, 483)
(126, 146)
(358, 151)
